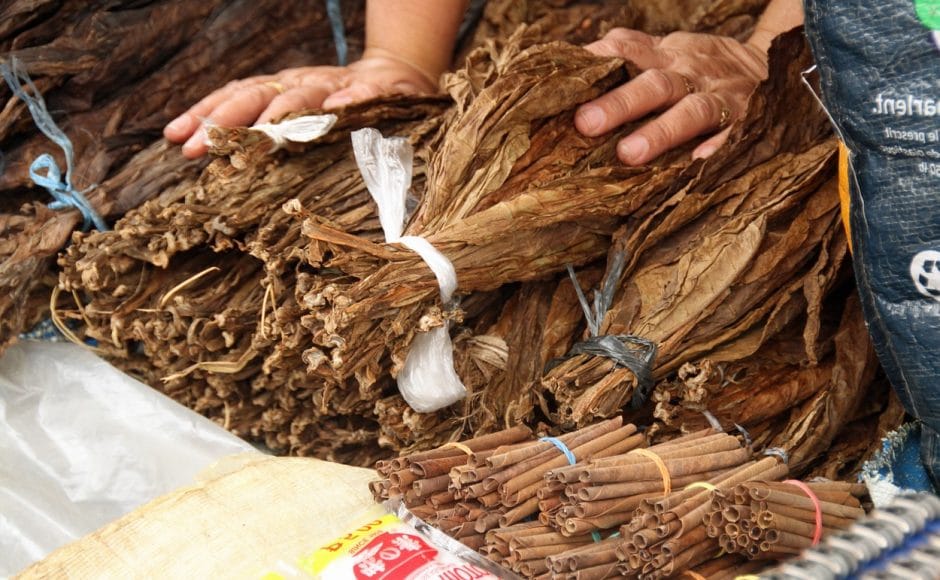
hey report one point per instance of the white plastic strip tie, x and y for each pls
(297, 130)
(428, 381)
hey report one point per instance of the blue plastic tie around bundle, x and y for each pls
(629, 351)
(561, 447)
(44, 171)
(335, 13)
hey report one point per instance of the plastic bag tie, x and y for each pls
(626, 350)
(297, 130)
(427, 381)
(43, 170)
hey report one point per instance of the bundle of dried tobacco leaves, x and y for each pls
(113, 74)
(261, 293)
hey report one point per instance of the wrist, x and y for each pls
(386, 58)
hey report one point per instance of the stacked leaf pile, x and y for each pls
(112, 74)
(599, 503)
(262, 295)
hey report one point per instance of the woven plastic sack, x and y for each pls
(879, 68)
(245, 514)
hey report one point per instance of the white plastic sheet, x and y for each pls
(82, 444)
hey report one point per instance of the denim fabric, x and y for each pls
(880, 80)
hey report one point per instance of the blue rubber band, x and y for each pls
(561, 447)
(44, 171)
(335, 13)
(596, 536)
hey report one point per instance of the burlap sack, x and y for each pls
(247, 513)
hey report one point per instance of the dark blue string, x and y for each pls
(335, 13)
(44, 171)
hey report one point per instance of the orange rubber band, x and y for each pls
(663, 472)
(817, 535)
(694, 575)
(459, 446)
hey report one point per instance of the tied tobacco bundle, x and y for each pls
(113, 74)
(196, 289)
(780, 400)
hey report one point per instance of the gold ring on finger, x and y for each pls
(276, 86)
(725, 117)
(689, 85)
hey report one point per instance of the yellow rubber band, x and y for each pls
(660, 464)
(459, 446)
(701, 485)
(747, 577)
(694, 575)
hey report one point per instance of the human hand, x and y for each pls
(263, 98)
(700, 82)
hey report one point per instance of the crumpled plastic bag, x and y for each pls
(427, 381)
(82, 444)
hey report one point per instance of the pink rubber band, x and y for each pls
(817, 535)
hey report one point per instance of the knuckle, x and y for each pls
(619, 104)
(608, 46)
(617, 33)
(700, 108)
(658, 81)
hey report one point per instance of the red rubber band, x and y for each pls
(817, 535)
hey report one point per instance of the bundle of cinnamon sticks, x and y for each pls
(597, 503)
(776, 519)
(495, 481)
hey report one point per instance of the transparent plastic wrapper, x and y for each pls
(82, 444)
(387, 542)
(427, 381)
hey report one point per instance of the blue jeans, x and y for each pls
(879, 69)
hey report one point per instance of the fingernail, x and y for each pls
(704, 152)
(591, 117)
(198, 138)
(633, 149)
(178, 124)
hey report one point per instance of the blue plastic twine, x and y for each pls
(335, 14)
(561, 447)
(51, 179)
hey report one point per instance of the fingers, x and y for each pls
(181, 128)
(692, 116)
(637, 47)
(708, 147)
(360, 91)
(230, 108)
(308, 97)
(355, 93)
(650, 91)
